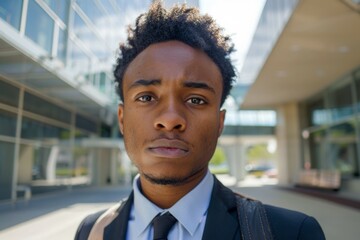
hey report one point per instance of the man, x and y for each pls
(173, 76)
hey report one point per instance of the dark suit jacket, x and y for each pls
(222, 222)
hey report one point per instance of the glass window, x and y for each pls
(340, 102)
(343, 152)
(317, 113)
(89, 39)
(86, 124)
(102, 82)
(81, 161)
(6, 169)
(318, 149)
(60, 7)
(79, 60)
(81, 134)
(32, 129)
(9, 94)
(108, 6)
(40, 106)
(90, 8)
(10, 11)
(61, 52)
(357, 84)
(39, 26)
(7, 123)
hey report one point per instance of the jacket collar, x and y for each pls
(222, 212)
(117, 228)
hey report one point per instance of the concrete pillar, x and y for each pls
(51, 164)
(126, 166)
(288, 134)
(114, 167)
(235, 153)
(92, 166)
(25, 164)
(101, 167)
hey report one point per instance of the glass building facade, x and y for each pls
(40, 134)
(332, 132)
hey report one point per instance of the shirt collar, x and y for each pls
(196, 203)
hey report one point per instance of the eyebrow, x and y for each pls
(154, 82)
(199, 85)
(143, 82)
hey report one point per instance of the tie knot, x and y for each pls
(162, 225)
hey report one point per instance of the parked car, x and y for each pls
(261, 170)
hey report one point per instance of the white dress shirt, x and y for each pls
(190, 211)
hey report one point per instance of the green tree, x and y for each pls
(259, 152)
(219, 157)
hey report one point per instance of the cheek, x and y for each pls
(208, 138)
(133, 133)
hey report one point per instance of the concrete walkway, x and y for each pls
(56, 216)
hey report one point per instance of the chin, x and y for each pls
(171, 181)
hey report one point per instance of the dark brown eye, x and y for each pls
(196, 101)
(145, 98)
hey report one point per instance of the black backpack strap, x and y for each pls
(253, 221)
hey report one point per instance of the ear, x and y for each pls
(121, 117)
(221, 121)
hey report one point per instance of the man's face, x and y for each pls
(171, 116)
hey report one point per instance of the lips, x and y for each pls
(168, 148)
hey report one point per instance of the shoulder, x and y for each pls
(86, 225)
(289, 224)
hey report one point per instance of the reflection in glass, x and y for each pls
(90, 40)
(10, 11)
(81, 161)
(318, 149)
(43, 165)
(335, 148)
(343, 153)
(32, 129)
(6, 169)
(79, 60)
(40, 163)
(357, 85)
(9, 94)
(108, 6)
(60, 7)
(39, 26)
(7, 123)
(86, 123)
(91, 9)
(61, 51)
(340, 102)
(317, 113)
(42, 107)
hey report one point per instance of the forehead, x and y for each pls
(173, 60)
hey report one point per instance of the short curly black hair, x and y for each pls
(180, 23)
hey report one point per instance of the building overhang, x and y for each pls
(319, 44)
(24, 62)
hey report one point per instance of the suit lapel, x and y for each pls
(221, 222)
(118, 227)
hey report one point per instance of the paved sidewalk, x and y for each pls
(56, 216)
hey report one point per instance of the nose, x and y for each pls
(171, 118)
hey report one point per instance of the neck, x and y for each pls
(165, 196)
